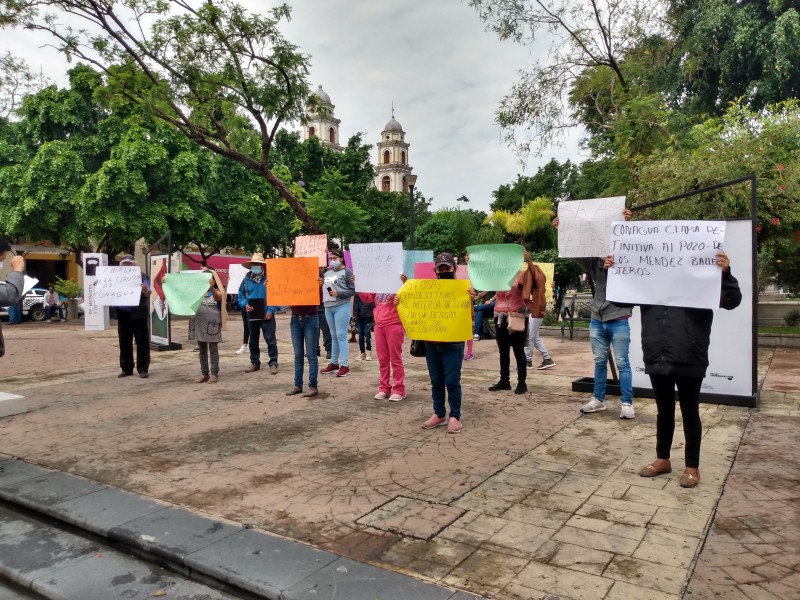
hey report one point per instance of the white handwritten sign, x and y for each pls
(117, 286)
(312, 245)
(666, 262)
(236, 275)
(583, 225)
(377, 267)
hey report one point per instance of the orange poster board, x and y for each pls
(293, 281)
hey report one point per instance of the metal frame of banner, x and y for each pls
(586, 384)
(148, 251)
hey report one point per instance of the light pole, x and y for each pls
(412, 181)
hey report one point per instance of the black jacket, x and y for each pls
(675, 340)
(361, 309)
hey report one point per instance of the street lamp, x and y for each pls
(411, 180)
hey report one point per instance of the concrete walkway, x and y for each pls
(531, 500)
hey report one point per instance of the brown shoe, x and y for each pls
(653, 470)
(273, 369)
(690, 478)
(252, 368)
(294, 391)
(213, 379)
(201, 379)
(311, 392)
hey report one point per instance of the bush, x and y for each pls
(792, 318)
(68, 288)
(550, 318)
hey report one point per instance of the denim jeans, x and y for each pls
(481, 312)
(535, 339)
(364, 334)
(339, 321)
(603, 335)
(444, 368)
(305, 333)
(267, 328)
(49, 310)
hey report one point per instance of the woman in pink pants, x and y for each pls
(389, 336)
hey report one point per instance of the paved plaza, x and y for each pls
(531, 501)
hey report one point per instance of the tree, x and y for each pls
(16, 82)
(448, 230)
(596, 34)
(533, 218)
(207, 71)
(551, 180)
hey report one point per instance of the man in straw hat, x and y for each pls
(253, 299)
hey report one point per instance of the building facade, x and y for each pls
(392, 165)
(322, 124)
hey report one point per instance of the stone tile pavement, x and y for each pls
(531, 501)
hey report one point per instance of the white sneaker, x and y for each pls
(242, 350)
(396, 398)
(593, 405)
(361, 356)
(476, 338)
(626, 411)
(369, 355)
(381, 396)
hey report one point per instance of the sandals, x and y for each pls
(652, 471)
(689, 480)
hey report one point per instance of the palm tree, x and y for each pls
(534, 217)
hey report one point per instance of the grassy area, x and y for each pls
(789, 330)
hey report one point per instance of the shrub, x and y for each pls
(792, 318)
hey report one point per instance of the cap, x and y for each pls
(127, 261)
(444, 258)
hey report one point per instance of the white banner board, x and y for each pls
(236, 274)
(95, 316)
(583, 225)
(118, 286)
(670, 263)
(732, 353)
(377, 267)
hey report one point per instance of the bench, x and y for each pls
(578, 309)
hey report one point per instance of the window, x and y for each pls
(386, 183)
(312, 132)
(386, 157)
(332, 135)
(405, 183)
(403, 157)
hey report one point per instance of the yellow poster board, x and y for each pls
(549, 270)
(436, 310)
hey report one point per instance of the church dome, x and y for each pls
(322, 95)
(393, 125)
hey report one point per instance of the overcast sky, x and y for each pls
(433, 59)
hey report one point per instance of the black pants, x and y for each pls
(507, 341)
(129, 329)
(689, 398)
(324, 331)
(246, 325)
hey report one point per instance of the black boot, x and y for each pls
(500, 385)
(521, 389)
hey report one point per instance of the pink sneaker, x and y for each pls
(396, 398)
(381, 396)
(469, 356)
(454, 425)
(434, 421)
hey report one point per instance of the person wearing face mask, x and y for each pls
(261, 317)
(11, 292)
(338, 283)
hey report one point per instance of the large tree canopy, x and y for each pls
(210, 70)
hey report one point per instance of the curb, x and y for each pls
(253, 562)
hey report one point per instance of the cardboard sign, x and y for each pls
(185, 291)
(412, 257)
(493, 267)
(117, 286)
(312, 245)
(377, 267)
(293, 281)
(549, 270)
(436, 310)
(583, 225)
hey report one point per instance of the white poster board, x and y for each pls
(671, 263)
(312, 245)
(118, 286)
(95, 316)
(236, 274)
(377, 267)
(583, 225)
(732, 351)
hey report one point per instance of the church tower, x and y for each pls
(322, 124)
(392, 165)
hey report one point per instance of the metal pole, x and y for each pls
(410, 217)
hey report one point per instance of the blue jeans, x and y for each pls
(364, 334)
(14, 314)
(603, 335)
(444, 368)
(305, 333)
(482, 311)
(338, 318)
(267, 328)
(49, 310)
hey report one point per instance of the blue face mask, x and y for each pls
(255, 270)
(335, 264)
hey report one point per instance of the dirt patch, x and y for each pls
(269, 479)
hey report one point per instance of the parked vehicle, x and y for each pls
(33, 306)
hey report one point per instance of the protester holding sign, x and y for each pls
(304, 327)
(132, 325)
(338, 283)
(253, 299)
(207, 325)
(511, 326)
(675, 343)
(608, 327)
